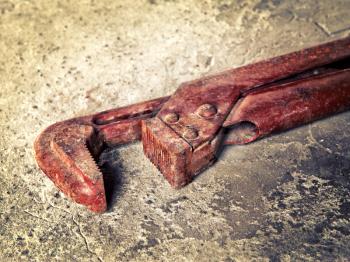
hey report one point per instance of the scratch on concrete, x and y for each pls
(324, 30)
(341, 30)
(314, 141)
(36, 216)
(85, 240)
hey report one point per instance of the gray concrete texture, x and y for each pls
(283, 198)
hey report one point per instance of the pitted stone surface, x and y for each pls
(285, 197)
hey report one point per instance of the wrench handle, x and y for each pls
(285, 106)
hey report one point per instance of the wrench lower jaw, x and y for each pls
(172, 155)
(167, 151)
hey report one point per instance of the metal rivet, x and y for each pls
(190, 133)
(207, 110)
(171, 118)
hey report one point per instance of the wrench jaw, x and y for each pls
(167, 151)
(63, 155)
(173, 156)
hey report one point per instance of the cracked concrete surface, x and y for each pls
(283, 198)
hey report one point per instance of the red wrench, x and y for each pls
(181, 134)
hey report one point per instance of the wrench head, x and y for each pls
(67, 151)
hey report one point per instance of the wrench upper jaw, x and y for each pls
(65, 152)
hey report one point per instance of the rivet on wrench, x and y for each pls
(190, 133)
(206, 110)
(171, 118)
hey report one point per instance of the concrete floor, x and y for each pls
(283, 198)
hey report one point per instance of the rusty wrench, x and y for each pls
(181, 134)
